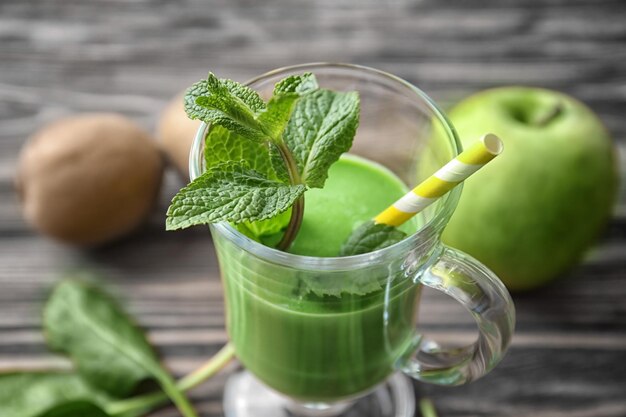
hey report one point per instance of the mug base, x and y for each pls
(245, 396)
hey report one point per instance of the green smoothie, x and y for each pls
(356, 191)
(323, 335)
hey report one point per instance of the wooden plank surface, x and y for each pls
(61, 57)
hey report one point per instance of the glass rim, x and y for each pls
(422, 236)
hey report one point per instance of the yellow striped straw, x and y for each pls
(442, 181)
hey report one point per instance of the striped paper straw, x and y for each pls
(442, 181)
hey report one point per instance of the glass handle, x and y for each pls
(483, 294)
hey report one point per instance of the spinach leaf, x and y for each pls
(75, 409)
(43, 394)
(108, 349)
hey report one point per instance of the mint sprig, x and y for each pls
(261, 157)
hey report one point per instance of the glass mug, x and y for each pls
(324, 333)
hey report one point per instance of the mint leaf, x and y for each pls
(228, 104)
(222, 145)
(250, 97)
(321, 128)
(366, 238)
(300, 84)
(259, 229)
(278, 163)
(330, 285)
(232, 192)
(276, 117)
(281, 105)
(370, 237)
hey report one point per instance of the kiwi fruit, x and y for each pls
(176, 133)
(88, 179)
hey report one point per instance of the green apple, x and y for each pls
(530, 214)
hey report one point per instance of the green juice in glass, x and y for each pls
(310, 338)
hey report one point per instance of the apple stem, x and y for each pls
(546, 118)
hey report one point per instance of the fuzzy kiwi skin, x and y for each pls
(176, 133)
(88, 179)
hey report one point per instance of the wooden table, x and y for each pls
(568, 357)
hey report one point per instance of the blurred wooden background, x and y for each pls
(131, 56)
